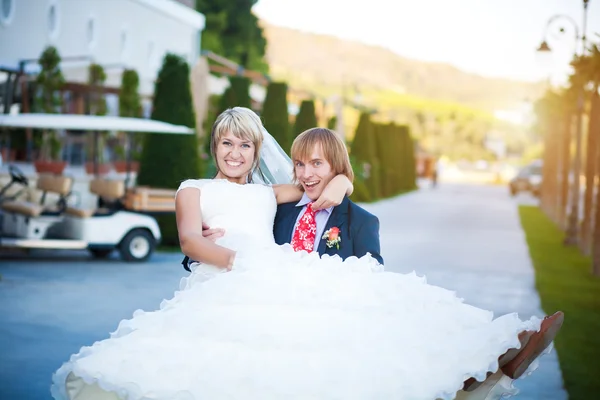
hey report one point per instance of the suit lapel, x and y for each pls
(338, 218)
(288, 222)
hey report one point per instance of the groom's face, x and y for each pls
(314, 173)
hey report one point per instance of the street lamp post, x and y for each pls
(572, 234)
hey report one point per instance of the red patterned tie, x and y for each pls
(306, 230)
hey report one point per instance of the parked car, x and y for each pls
(528, 179)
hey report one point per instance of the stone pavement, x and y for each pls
(463, 237)
(468, 238)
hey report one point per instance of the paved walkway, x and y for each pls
(465, 238)
(468, 238)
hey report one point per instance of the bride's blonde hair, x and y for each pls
(243, 123)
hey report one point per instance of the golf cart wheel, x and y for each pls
(100, 253)
(137, 245)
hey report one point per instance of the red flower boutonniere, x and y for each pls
(333, 237)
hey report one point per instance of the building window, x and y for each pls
(90, 32)
(53, 20)
(7, 11)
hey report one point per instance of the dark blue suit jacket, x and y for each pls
(359, 229)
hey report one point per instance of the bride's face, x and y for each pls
(234, 157)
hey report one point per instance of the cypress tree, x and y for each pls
(275, 114)
(364, 152)
(381, 137)
(237, 94)
(331, 123)
(400, 145)
(49, 81)
(130, 105)
(377, 175)
(393, 159)
(306, 117)
(411, 161)
(97, 106)
(168, 159)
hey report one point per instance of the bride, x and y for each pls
(255, 320)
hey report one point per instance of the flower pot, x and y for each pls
(8, 156)
(52, 167)
(121, 166)
(103, 168)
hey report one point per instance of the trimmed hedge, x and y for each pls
(169, 159)
(384, 159)
(237, 94)
(275, 114)
(306, 117)
(332, 122)
(365, 157)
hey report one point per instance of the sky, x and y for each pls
(496, 38)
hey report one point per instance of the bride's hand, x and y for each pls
(334, 193)
(212, 234)
(229, 266)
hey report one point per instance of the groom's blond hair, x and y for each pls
(333, 146)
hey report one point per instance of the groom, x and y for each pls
(347, 230)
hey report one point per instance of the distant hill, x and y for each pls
(324, 63)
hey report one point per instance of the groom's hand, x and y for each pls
(212, 234)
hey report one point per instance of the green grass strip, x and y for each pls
(564, 281)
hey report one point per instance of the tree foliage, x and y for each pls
(233, 31)
(306, 117)
(130, 104)
(49, 100)
(275, 114)
(331, 123)
(96, 80)
(237, 94)
(169, 159)
(97, 106)
(365, 157)
(172, 104)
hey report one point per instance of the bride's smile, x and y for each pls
(235, 157)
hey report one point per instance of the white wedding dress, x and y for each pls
(288, 325)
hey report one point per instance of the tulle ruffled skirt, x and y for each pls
(285, 325)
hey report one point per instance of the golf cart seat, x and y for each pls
(109, 193)
(147, 199)
(46, 183)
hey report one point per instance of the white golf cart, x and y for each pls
(123, 219)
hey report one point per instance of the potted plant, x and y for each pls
(97, 106)
(49, 100)
(129, 106)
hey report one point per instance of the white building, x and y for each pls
(116, 34)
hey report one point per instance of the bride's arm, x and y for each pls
(189, 228)
(332, 195)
